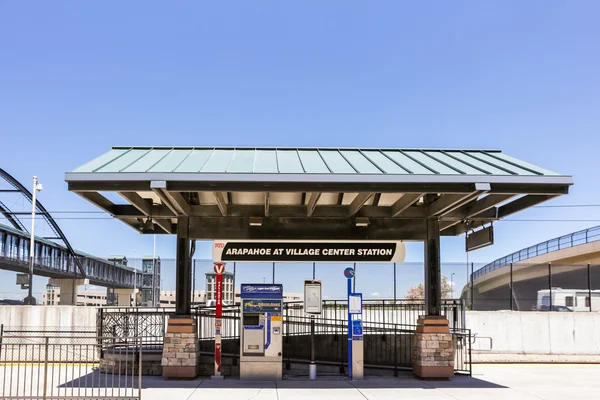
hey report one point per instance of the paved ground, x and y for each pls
(513, 382)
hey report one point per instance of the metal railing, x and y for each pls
(559, 243)
(389, 328)
(52, 259)
(149, 324)
(58, 367)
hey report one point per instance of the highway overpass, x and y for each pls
(570, 262)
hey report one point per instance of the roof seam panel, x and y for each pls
(134, 161)
(290, 148)
(449, 154)
(442, 162)
(372, 162)
(487, 162)
(324, 162)
(111, 161)
(207, 158)
(419, 162)
(162, 158)
(300, 159)
(397, 163)
(182, 161)
(348, 161)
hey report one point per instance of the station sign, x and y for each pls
(306, 250)
(479, 239)
(261, 306)
(357, 329)
(251, 288)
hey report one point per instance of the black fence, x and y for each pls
(389, 328)
(522, 286)
(67, 367)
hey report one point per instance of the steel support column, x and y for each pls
(183, 284)
(433, 276)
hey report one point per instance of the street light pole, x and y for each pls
(452, 283)
(37, 187)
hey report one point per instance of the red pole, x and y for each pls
(219, 270)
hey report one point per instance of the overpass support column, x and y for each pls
(181, 350)
(68, 289)
(433, 350)
(124, 297)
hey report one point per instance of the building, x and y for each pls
(150, 288)
(167, 298)
(98, 297)
(111, 297)
(94, 297)
(228, 282)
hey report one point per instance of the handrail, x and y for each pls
(563, 242)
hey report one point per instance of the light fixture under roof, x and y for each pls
(256, 221)
(362, 221)
(147, 225)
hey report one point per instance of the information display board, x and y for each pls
(313, 297)
(355, 303)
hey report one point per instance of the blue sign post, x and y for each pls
(349, 274)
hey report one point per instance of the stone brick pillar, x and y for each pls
(181, 350)
(433, 350)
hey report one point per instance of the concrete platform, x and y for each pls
(515, 382)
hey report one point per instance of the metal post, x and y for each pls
(32, 241)
(354, 285)
(233, 301)
(433, 278)
(394, 284)
(288, 364)
(218, 321)
(589, 273)
(46, 345)
(114, 275)
(314, 270)
(312, 367)
(550, 283)
(183, 269)
(472, 290)
(511, 287)
(273, 272)
(349, 330)
(194, 282)
(73, 295)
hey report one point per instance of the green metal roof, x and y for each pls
(238, 160)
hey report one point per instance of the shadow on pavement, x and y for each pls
(406, 380)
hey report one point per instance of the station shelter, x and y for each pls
(315, 194)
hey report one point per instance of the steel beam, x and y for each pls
(312, 203)
(521, 204)
(173, 200)
(407, 200)
(305, 228)
(358, 202)
(221, 203)
(451, 202)
(267, 201)
(475, 208)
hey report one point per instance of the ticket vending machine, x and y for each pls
(261, 332)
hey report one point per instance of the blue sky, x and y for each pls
(79, 77)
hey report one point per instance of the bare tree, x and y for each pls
(418, 292)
